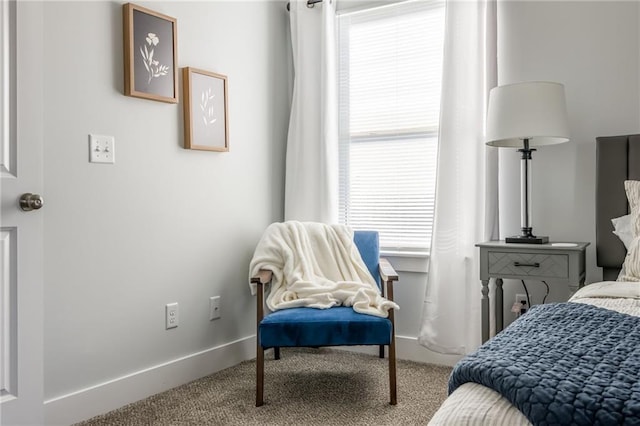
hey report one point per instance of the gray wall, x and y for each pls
(163, 224)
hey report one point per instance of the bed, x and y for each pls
(568, 363)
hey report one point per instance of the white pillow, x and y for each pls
(622, 229)
(632, 188)
(631, 267)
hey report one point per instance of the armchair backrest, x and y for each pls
(369, 247)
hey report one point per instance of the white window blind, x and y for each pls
(390, 73)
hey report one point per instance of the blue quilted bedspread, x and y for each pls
(563, 363)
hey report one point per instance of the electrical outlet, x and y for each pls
(171, 315)
(522, 298)
(214, 308)
(102, 149)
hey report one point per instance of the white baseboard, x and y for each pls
(101, 398)
(110, 395)
(409, 349)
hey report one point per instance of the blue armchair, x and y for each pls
(336, 326)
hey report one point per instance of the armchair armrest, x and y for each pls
(263, 277)
(387, 273)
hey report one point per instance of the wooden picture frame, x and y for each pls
(206, 118)
(150, 54)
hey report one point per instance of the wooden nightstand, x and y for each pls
(558, 262)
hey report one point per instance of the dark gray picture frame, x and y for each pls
(150, 54)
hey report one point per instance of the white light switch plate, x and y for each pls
(102, 149)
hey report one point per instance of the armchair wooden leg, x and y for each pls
(393, 391)
(259, 348)
(276, 352)
(381, 351)
(259, 376)
(392, 374)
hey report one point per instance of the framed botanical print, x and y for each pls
(206, 120)
(150, 54)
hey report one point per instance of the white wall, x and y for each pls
(592, 47)
(163, 224)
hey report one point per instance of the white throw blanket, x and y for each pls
(316, 265)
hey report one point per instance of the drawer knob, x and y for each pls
(533, 265)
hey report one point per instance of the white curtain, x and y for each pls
(466, 207)
(311, 181)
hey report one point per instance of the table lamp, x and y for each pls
(526, 115)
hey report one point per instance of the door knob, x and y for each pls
(31, 201)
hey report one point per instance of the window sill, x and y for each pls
(407, 261)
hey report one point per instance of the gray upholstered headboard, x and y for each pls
(618, 159)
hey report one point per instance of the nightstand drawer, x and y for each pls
(529, 264)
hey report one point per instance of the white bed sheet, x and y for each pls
(475, 405)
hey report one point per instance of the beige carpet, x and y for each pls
(304, 387)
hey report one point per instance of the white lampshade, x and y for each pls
(534, 110)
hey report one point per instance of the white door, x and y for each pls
(21, 280)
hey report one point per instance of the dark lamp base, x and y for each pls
(521, 239)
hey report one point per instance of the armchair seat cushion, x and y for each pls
(336, 326)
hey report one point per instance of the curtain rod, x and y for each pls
(310, 3)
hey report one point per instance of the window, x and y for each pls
(390, 73)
